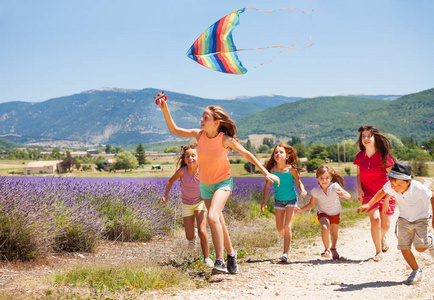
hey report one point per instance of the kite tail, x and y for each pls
(286, 49)
(269, 12)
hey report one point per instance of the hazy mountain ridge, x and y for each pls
(122, 116)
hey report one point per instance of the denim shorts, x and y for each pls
(207, 190)
(283, 204)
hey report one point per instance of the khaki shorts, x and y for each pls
(415, 233)
(188, 210)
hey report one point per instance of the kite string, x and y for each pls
(269, 12)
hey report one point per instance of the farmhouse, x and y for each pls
(41, 167)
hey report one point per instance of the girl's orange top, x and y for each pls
(212, 159)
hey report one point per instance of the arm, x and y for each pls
(359, 186)
(294, 174)
(178, 174)
(380, 194)
(229, 142)
(307, 206)
(265, 195)
(385, 207)
(172, 126)
(343, 193)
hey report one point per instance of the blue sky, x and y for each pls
(56, 48)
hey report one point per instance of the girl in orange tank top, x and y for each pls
(217, 135)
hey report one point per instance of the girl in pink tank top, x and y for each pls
(193, 206)
(217, 135)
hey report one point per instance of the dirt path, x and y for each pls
(305, 276)
(308, 276)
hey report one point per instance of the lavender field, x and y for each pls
(43, 214)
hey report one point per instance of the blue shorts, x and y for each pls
(207, 190)
(283, 204)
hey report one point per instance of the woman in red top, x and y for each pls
(373, 162)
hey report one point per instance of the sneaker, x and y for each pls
(378, 257)
(284, 257)
(414, 277)
(219, 267)
(431, 247)
(192, 243)
(208, 262)
(232, 263)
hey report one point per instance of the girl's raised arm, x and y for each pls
(294, 174)
(229, 142)
(172, 126)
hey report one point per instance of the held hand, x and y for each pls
(361, 194)
(303, 193)
(263, 207)
(297, 210)
(164, 200)
(385, 207)
(273, 178)
(363, 208)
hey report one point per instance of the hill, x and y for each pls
(7, 144)
(114, 116)
(331, 119)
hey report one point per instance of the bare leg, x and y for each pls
(220, 236)
(325, 232)
(189, 227)
(201, 226)
(334, 234)
(288, 230)
(280, 221)
(385, 224)
(374, 217)
(410, 259)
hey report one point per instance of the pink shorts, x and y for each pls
(379, 204)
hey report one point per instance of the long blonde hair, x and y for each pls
(291, 160)
(227, 126)
(335, 176)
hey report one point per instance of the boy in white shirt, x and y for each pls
(413, 200)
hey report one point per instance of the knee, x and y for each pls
(325, 227)
(420, 249)
(213, 219)
(375, 222)
(201, 231)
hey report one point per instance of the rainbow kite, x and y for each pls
(215, 48)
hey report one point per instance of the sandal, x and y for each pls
(326, 253)
(384, 246)
(378, 257)
(335, 254)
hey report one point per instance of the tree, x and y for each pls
(269, 142)
(263, 149)
(108, 149)
(125, 161)
(294, 140)
(301, 149)
(174, 149)
(68, 162)
(318, 151)
(141, 157)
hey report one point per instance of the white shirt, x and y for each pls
(413, 203)
(327, 203)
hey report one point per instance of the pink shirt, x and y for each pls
(213, 160)
(372, 174)
(190, 188)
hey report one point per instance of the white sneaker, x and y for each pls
(192, 243)
(414, 277)
(431, 246)
(208, 262)
(284, 257)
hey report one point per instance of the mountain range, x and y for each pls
(127, 117)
